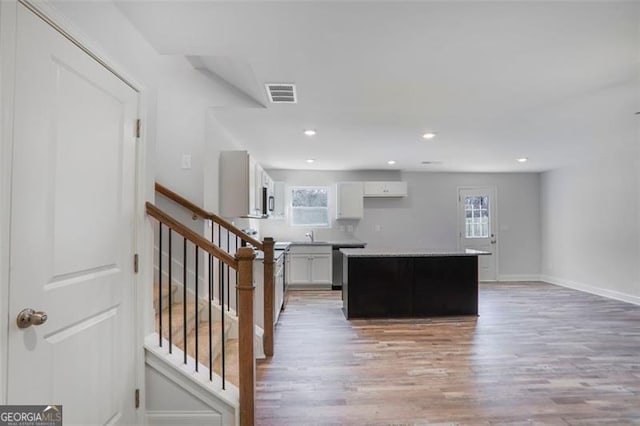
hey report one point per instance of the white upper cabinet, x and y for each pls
(279, 195)
(240, 188)
(385, 189)
(349, 200)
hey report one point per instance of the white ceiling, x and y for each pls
(553, 81)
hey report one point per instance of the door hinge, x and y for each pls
(138, 126)
(135, 263)
(137, 398)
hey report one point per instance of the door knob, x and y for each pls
(28, 317)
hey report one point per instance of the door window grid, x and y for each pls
(476, 209)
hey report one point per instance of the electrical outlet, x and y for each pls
(377, 228)
(349, 228)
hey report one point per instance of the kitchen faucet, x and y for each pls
(310, 235)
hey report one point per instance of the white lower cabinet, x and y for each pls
(299, 271)
(309, 266)
(278, 290)
(278, 282)
(320, 266)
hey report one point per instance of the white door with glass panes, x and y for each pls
(478, 229)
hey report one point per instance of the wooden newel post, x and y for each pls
(269, 298)
(247, 360)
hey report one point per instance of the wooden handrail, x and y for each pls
(203, 214)
(192, 236)
(197, 211)
(266, 246)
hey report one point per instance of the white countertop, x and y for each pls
(382, 252)
(276, 254)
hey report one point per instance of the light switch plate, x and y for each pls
(186, 161)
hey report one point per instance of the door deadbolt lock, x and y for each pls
(28, 317)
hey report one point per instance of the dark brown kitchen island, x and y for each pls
(409, 283)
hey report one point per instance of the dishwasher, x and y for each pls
(336, 283)
(337, 259)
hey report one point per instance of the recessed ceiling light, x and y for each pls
(309, 132)
(391, 162)
(522, 160)
(311, 160)
(429, 135)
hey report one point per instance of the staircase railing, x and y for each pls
(242, 263)
(229, 238)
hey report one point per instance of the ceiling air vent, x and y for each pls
(282, 93)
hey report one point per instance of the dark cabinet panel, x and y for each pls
(445, 286)
(392, 287)
(375, 284)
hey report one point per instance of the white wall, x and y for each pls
(217, 139)
(590, 227)
(427, 218)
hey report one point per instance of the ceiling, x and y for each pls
(556, 82)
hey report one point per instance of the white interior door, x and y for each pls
(478, 225)
(72, 230)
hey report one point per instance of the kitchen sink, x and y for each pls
(309, 243)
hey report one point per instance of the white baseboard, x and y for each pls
(186, 418)
(611, 294)
(519, 278)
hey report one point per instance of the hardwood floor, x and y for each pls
(537, 354)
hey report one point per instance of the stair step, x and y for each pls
(230, 362)
(177, 320)
(203, 341)
(177, 338)
(165, 295)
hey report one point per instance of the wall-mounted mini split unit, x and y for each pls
(282, 93)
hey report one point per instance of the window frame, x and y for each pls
(290, 207)
(479, 220)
